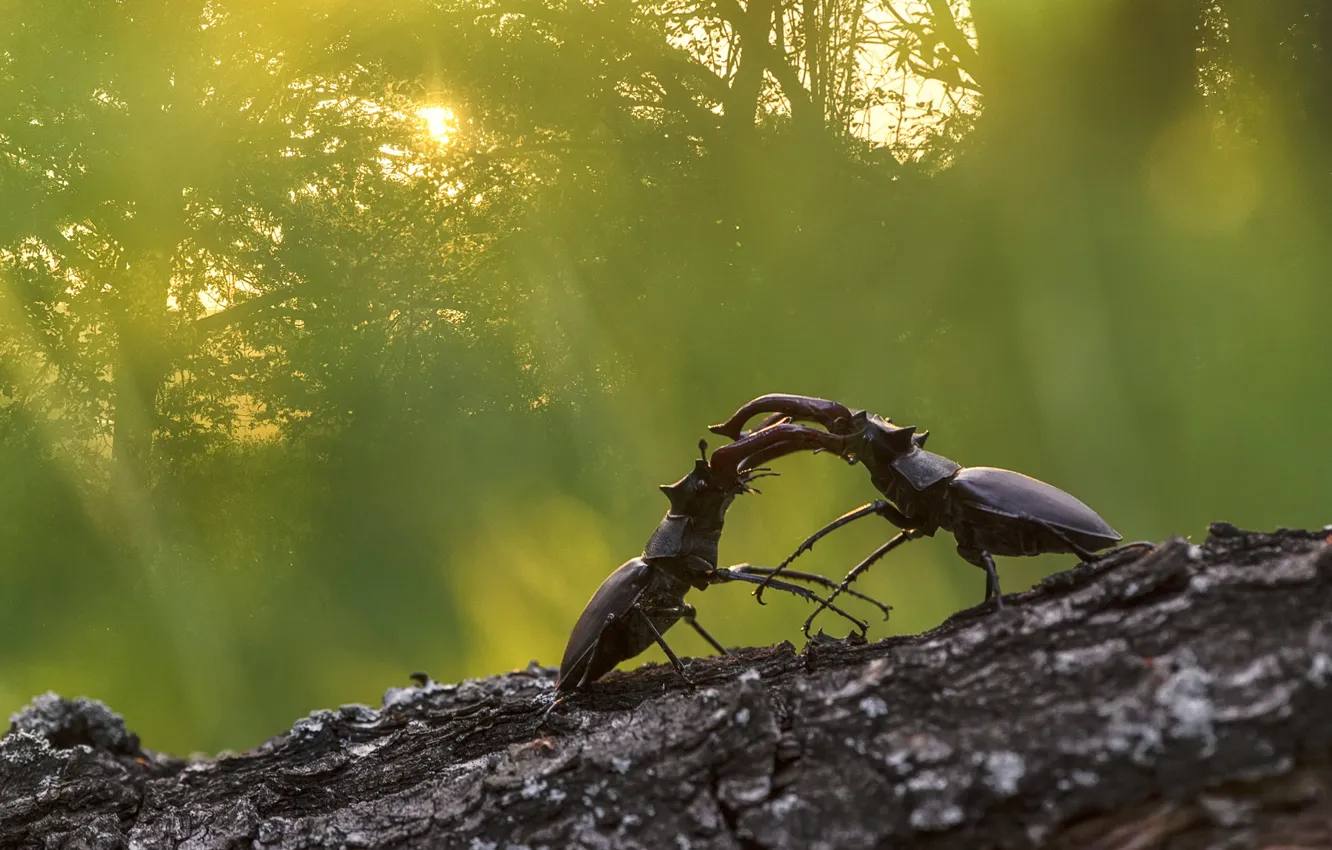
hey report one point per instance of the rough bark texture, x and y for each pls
(1179, 699)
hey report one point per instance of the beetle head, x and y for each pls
(884, 441)
(702, 492)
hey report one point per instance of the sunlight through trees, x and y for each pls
(339, 341)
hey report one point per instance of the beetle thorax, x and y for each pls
(885, 441)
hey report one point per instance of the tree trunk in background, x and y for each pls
(141, 367)
(1178, 699)
(137, 376)
(742, 102)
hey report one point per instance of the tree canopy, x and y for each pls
(339, 340)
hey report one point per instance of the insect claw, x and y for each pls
(547, 723)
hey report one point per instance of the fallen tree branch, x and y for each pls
(1170, 700)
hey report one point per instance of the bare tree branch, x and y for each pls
(774, 60)
(954, 39)
(1178, 699)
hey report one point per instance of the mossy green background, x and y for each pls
(1108, 270)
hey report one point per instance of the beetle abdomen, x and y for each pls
(593, 648)
(1011, 494)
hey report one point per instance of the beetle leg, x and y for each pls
(981, 558)
(1143, 546)
(661, 642)
(689, 614)
(879, 506)
(591, 651)
(897, 540)
(1088, 556)
(992, 581)
(812, 578)
(681, 610)
(721, 650)
(545, 715)
(804, 593)
(1082, 552)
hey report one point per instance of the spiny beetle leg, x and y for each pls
(813, 578)
(981, 558)
(900, 538)
(1143, 546)
(689, 614)
(803, 593)
(1082, 552)
(992, 582)
(661, 642)
(545, 723)
(851, 516)
(585, 659)
(721, 650)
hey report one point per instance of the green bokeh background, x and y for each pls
(1106, 267)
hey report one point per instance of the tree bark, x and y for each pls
(743, 96)
(1179, 699)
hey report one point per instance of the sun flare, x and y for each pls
(440, 122)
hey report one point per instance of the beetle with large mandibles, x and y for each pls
(645, 596)
(989, 511)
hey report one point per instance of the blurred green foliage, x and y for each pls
(339, 341)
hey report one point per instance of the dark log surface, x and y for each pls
(1180, 699)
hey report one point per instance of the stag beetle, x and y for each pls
(989, 511)
(638, 602)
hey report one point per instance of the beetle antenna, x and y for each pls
(747, 483)
(703, 449)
